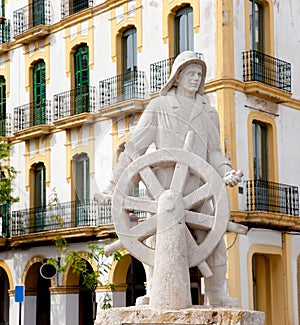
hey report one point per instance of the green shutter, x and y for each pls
(82, 80)
(38, 12)
(2, 106)
(39, 197)
(39, 93)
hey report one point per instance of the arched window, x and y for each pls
(39, 93)
(2, 106)
(82, 189)
(81, 79)
(129, 64)
(183, 30)
(256, 12)
(39, 196)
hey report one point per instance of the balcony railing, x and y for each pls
(72, 7)
(4, 31)
(37, 13)
(260, 67)
(129, 85)
(160, 72)
(272, 197)
(75, 101)
(61, 216)
(5, 126)
(32, 114)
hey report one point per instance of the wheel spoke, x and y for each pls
(140, 204)
(179, 177)
(151, 182)
(197, 221)
(198, 196)
(144, 229)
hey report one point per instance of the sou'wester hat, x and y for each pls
(181, 61)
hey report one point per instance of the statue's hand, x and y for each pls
(233, 177)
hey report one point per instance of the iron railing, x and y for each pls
(60, 216)
(5, 126)
(271, 71)
(36, 13)
(4, 31)
(72, 7)
(272, 197)
(75, 101)
(160, 72)
(32, 114)
(129, 85)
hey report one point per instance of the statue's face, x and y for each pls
(189, 78)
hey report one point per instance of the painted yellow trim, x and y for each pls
(268, 26)
(8, 273)
(5, 72)
(258, 249)
(224, 39)
(39, 50)
(233, 266)
(68, 155)
(272, 144)
(120, 23)
(75, 39)
(226, 110)
(288, 277)
(32, 261)
(118, 271)
(169, 9)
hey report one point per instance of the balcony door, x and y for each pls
(39, 93)
(78, 5)
(38, 12)
(129, 64)
(2, 106)
(256, 11)
(39, 196)
(82, 189)
(82, 79)
(260, 165)
(183, 30)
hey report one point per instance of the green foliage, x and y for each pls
(7, 176)
(78, 261)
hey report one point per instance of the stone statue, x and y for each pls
(185, 131)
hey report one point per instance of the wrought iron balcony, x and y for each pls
(60, 216)
(32, 114)
(72, 7)
(260, 67)
(272, 197)
(129, 85)
(75, 101)
(5, 126)
(4, 31)
(160, 71)
(35, 14)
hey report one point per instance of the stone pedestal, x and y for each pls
(198, 315)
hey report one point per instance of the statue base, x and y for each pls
(197, 315)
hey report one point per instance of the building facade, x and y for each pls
(75, 76)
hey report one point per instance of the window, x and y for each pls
(183, 30)
(82, 79)
(38, 12)
(39, 196)
(256, 11)
(78, 5)
(260, 150)
(2, 106)
(39, 93)
(129, 64)
(4, 213)
(82, 189)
